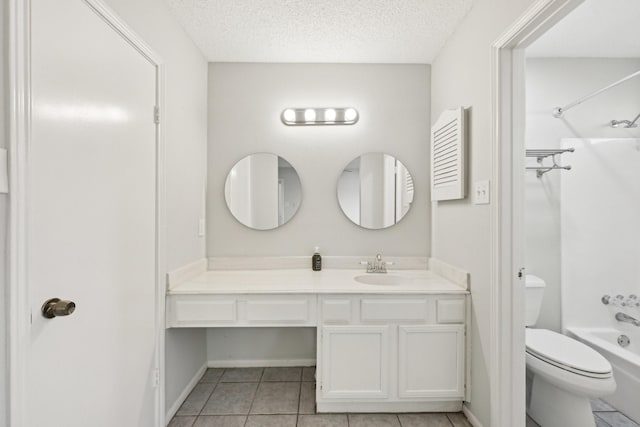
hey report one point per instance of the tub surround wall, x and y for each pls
(600, 229)
(555, 82)
(462, 230)
(185, 88)
(245, 103)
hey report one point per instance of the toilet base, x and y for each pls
(551, 406)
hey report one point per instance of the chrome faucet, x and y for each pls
(623, 317)
(377, 265)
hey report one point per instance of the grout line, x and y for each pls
(299, 399)
(451, 422)
(399, 422)
(208, 398)
(601, 419)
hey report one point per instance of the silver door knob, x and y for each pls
(56, 307)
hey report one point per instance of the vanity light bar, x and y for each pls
(319, 116)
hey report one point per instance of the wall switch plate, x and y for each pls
(481, 192)
(201, 228)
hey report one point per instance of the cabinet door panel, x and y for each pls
(355, 361)
(431, 361)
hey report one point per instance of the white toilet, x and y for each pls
(565, 373)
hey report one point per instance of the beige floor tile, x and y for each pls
(196, 399)
(458, 419)
(231, 399)
(241, 375)
(220, 421)
(424, 420)
(276, 398)
(309, 373)
(373, 420)
(307, 398)
(271, 421)
(212, 375)
(323, 420)
(182, 421)
(282, 374)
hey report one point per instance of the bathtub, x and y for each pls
(625, 362)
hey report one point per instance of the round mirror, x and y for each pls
(375, 190)
(263, 191)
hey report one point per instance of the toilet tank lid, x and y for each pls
(532, 281)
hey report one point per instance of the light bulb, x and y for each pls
(309, 115)
(330, 115)
(289, 115)
(350, 114)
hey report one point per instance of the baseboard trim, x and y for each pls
(371, 407)
(472, 418)
(173, 409)
(260, 363)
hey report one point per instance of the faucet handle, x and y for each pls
(616, 301)
(632, 301)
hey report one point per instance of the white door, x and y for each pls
(355, 362)
(91, 222)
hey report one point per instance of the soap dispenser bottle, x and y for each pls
(316, 260)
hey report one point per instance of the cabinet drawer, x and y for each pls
(450, 310)
(279, 310)
(240, 310)
(398, 309)
(336, 311)
(202, 311)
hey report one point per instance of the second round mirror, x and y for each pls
(375, 190)
(263, 191)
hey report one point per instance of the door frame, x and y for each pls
(19, 95)
(507, 366)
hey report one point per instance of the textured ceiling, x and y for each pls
(596, 28)
(361, 31)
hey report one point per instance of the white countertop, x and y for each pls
(303, 281)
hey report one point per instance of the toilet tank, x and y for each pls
(534, 291)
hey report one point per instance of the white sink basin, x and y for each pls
(381, 279)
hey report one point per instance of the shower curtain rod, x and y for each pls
(558, 111)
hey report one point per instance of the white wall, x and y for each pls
(185, 87)
(273, 344)
(600, 231)
(245, 102)
(461, 230)
(4, 373)
(553, 82)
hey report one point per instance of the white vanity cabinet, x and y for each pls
(380, 348)
(391, 353)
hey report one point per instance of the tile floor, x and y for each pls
(280, 397)
(604, 414)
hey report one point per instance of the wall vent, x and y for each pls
(447, 156)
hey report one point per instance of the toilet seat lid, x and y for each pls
(566, 352)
